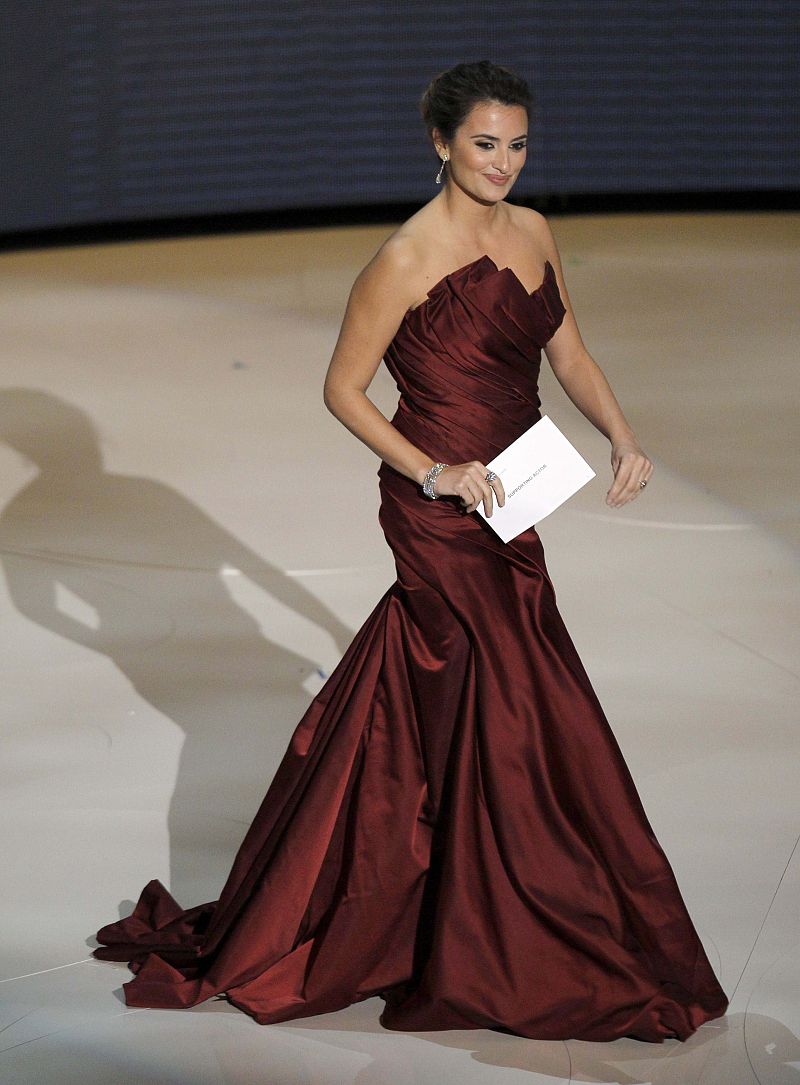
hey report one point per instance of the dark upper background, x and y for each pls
(131, 110)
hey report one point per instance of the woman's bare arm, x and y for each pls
(585, 383)
(379, 298)
(377, 303)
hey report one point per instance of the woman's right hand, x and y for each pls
(468, 481)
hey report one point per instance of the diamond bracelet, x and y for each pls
(430, 479)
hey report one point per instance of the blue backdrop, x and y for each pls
(137, 109)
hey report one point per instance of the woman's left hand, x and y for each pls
(631, 467)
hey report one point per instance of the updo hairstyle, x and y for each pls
(450, 96)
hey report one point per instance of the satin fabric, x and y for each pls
(453, 826)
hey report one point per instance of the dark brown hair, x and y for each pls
(450, 96)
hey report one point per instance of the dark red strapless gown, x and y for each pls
(453, 826)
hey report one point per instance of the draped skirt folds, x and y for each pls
(453, 827)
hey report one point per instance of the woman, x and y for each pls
(453, 826)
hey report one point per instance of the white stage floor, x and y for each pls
(189, 541)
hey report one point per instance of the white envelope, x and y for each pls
(539, 471)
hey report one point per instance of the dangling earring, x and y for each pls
(441, 168)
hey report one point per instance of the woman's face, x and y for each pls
(491, 142)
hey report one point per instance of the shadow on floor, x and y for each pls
(147, 562)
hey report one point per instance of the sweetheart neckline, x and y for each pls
(471, 263)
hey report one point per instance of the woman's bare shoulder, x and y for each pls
(400, 263)
(530, 222)
(400, 254)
